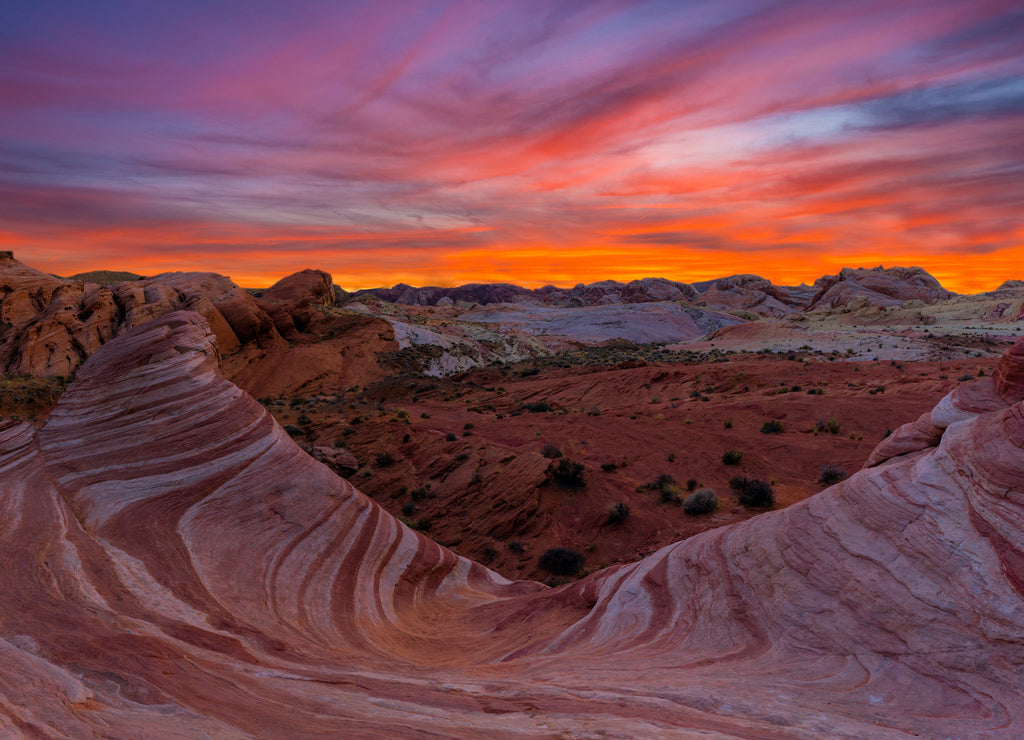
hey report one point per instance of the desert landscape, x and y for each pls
(296, 511)
(429, 369)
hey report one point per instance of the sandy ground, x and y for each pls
(463, 458)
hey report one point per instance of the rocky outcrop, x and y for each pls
(338, 459)
(752, 293)
(293, 302)
(51, 325)
(879, 287)
(982, 396)
(175, 565)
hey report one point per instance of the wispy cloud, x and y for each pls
(426, 140)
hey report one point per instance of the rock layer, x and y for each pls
(171, 564)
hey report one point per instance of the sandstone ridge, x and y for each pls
(183, 569)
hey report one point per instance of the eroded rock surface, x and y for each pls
(172, 564)
(51, 325)
(877, 287)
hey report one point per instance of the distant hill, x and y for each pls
(105, 277)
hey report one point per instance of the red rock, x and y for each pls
(174, 564)
(56, 324)
(340, 460)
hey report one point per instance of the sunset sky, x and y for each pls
(529, 142)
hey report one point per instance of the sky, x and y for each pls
(529, 142)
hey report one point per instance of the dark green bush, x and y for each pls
(831, 474)
(753, 492)
(772, 426)
(568, 473)
(732, 457)
(617, 513)
(831, 426)
(561, 561)
(551, 451)
(703, 501)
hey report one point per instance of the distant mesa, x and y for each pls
(106, 277)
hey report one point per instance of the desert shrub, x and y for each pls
(568, 473)
(617, 513)
(294, 431)
(516, 546)
(816, 392)
(727, 423)
(303, 419)
(422, 525)
(537, 408)
(551, 451)
(409, 509)
(609, 467)
(732, 457)
(691, 484)
(384, 459)
(831, 426)
(966, 376)
(665, 479)
(700, 502)
(831, 474)
(772, 426)
(450, 437)
(753, 492)
(468, 425)
(561, 561)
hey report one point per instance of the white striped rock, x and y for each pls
(173, 565)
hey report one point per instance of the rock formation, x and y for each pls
(753, 293)
(647, 290)
(879, 287)
(51, 325)
(174, 565)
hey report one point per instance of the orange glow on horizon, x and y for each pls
(533, 265)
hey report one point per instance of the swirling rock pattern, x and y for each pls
(172, 565)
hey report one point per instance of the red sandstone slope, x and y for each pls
(173, 565)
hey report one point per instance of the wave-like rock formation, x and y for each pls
(172, 565)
